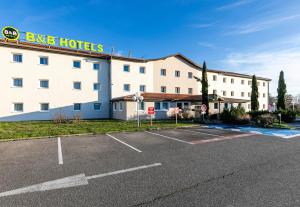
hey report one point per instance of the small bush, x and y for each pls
(265, 120)
(235, 115)
(60, 118)
(287, 115)
(255, 114)
(76, 119)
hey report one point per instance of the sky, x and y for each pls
(258, 37)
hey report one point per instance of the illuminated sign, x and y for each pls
(11, 33)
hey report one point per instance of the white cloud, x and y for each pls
(234, 5)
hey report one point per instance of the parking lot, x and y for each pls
(193, 166)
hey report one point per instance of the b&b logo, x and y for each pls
(10, 33)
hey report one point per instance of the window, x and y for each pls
(126, 68)
(224, 93)
(96, 66)
(141, 106)
(249, 94)
(163, 89)
(232, 80)
(165, 105)
(186, 105)
(142, 70)
(18, 82)
(121, 106)
(44, 84)
(157, 105)
(226, 105)
(97, 86)
(242, 94)
(18, 58)
(43, 60)
(264, 84)
(18, 107)
(163, 72)
(264, 95)
(76, 64)
(77, 106)
(249, 82)
(179, 105)
(224, 80)
(77, 85)
(242, 82)
(177, 90)
(44, 106)
(115, 106)
(190, 91)
(214, 78)
(216, 105)
(215, 92)
(97, 106)
(142, 88)
(264, 106)
(190, 75)
(232, 93)
(177, 73)
(126, 87)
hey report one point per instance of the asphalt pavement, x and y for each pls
(176, 167)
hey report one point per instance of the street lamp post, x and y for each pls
(137, 97)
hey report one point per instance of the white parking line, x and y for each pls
(59, 151)
(291, 136)
(255, 132)
(202, 133)
(124, 143)
(178, 140)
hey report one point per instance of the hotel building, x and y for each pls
(38, 82)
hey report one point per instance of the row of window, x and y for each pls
(214, 78)
(224, 93)
(45, 61)
(45, 107)
(18, 83)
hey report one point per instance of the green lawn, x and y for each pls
(19, 130)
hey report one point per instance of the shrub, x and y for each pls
(265, 120)
(235, 115)
(255, 114)
(60, 118)
(287, 115)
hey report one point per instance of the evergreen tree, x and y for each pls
(204, 83)
(281, 90)
(254, 95)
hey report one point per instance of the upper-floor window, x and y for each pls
(224, 93)
(177, 89)
(77, 106)
(215, 92)
(249, 94)
(224, 80)
(232, 80)
(242, 82)
(44, 83)
(264, 95)
(97, 106)
(76, 64)
(190, 90)
(96, 66)
(163, 72)
(214, 77)
(18, 82)
(77, 85)
(96, 86)
(242, 94)
(126, 87)
(142, 88)
(44, 107)
(18, 107)
(190, 75)
(43, 60)
(163, 89)
(232, 93)
(264, 84)
(249, 82)
(126, 68)
(177, 73)
(18, 58)
(142, 70)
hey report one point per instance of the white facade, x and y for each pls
(91, 98)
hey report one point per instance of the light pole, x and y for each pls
(137, 97)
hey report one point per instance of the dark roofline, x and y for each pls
(82, 53)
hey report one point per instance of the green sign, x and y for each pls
(13, 34)
(10, 33)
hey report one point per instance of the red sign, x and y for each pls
(151, 110)
(203, 108)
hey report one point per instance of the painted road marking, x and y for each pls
(235, 130)
(67, 182)
(59, 151)
(202, 133)
(291, 136)
(169, 137)
(124, 143)
(255, 132)
(221, 138)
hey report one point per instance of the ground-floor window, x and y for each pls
(216, 105)
(77, 106)
(157, 105)
(226, 105)
(115, 106)
(142, 105)
(97, 106)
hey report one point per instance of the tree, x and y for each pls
(281, 90)
(204, 83)
(254, 95)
